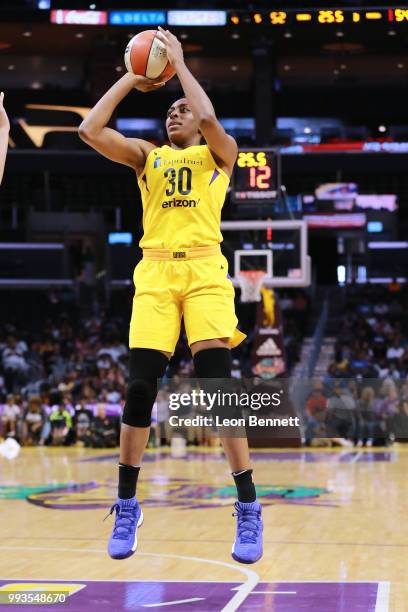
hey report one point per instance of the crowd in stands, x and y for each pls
(63, 380)
(364, 397)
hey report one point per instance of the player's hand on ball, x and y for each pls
(4, 120)
(173, 46)
(143, 83)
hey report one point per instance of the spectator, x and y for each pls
(61, 425)
(162, 416)
(366, 418)
(10, 417)
(341, 415)
(395, 351)
(316, 410)
(35, 426)
(386, 407)
(400, 421)
(105, 430)
(83, 424)
(14, 363)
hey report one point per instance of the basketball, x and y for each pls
(146, 55)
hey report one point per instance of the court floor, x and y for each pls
(336, 531)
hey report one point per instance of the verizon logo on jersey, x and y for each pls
(175, 203)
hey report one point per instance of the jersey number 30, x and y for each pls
(183, 177)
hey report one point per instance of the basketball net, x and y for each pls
(250, 282)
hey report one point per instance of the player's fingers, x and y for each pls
(1, 97)
(163, 40)
(161, 35)
(154, 86)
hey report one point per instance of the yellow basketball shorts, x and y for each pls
(197, 289)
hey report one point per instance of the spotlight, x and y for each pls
(382, 128)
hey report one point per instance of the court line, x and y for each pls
(356, 457)
(242, 592)
(273, 592)
(383, 597)
(172, 603)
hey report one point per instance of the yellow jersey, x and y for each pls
(183, 191)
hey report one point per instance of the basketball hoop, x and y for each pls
(250, 282)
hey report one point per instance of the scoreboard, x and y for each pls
(256, 176)
(321, 17)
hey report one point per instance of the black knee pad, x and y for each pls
(146, 366)
(213, 363)
(213, 370)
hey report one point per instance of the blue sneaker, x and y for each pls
(129, 516)
(247, 547)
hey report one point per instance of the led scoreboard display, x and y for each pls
(256, 176)
(320, 16)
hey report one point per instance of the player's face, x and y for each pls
(180, 123)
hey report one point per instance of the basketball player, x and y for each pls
(4, 134)
(182, 273)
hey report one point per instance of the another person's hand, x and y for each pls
(173, 46)
(4, 120)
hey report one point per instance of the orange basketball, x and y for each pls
(146, 55)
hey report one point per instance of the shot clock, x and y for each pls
(256, 176)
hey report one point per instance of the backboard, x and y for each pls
(277, 247)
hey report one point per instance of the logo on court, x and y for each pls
(180, 493)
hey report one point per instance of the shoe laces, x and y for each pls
(248, 524)
(124, 522)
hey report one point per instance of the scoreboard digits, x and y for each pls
(358, 17)
(278, 17)
(398, 15)
(256, 176)
(330, 16)
(260, 178)
(251, 159)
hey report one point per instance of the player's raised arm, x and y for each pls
(220, 143)
(110, 143)
(4, 134)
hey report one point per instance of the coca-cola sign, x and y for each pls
(72, 17)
